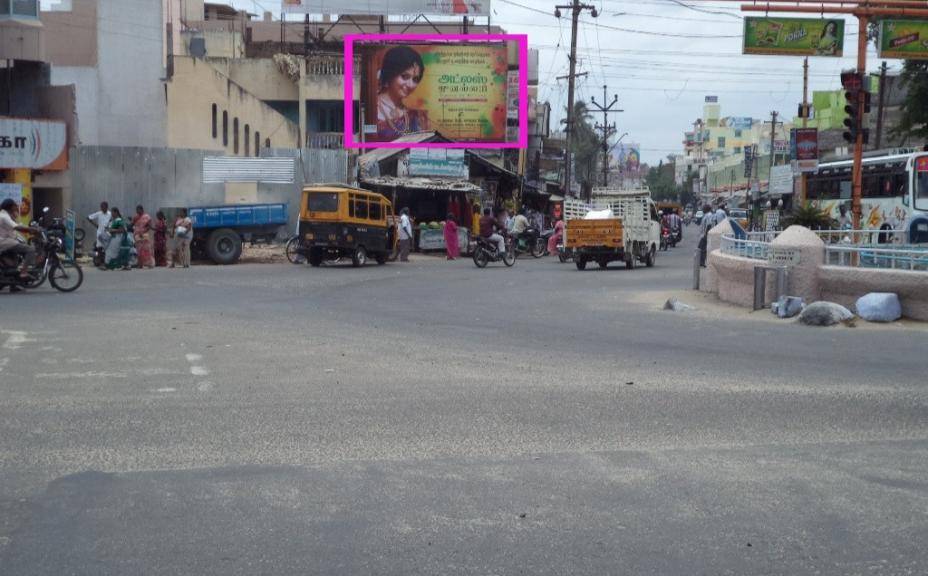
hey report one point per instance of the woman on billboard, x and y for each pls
(400, 74)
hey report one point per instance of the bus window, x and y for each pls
(921, 190)
(360, 208)
(376, 212)
(322, 202)
(351, 200)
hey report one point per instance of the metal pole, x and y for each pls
(803, 181)
(879, 111)
(857, 179)
(574, 17)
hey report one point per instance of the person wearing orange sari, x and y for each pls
(451, 238)
(555, 238)
(141, 231)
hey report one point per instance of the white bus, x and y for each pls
(895, 192)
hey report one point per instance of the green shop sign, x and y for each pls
(904, 39)
(794, 36)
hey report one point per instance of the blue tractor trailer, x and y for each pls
(220, 231)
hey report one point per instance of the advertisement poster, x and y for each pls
(446, 162)
(457, 90)
(628, 157)
(37, 144)
(793, 36)
(389, 7)
(740, 123)
(904, 39)
(23, 179)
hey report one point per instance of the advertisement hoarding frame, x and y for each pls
(340, 9)
(811, 51)
(882, 52)
(450, 39)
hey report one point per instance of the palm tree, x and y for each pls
(585, 144)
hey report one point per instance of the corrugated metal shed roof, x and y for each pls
(381, 154)
(423, 183)
(218, 169)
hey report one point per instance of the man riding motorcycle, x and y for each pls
(10, 241)
(488, 226)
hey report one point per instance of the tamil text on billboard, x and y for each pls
(904, 39)
(793, 36)
(34, 144)
(458, 90)
(389, 7)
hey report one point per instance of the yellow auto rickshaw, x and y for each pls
(338, 221)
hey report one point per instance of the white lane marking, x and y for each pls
(16, 339)
(199, 371)
(194, 358)
(166, 390)
(195, 369)
(205, 386)
(77, 375)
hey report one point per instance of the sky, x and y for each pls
(661, 57)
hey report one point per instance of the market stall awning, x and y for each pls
(378, 155)
(492, 167)
(413, 183)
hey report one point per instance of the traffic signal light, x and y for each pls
(858, 104)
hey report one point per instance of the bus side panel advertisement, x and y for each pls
(904, 39)
(793, 36)
(456, 86)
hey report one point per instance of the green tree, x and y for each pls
(586, 145)
(914, 121)
(662, 185)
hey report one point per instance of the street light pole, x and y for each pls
(606, 129)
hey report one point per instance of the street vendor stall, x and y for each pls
(430, 200)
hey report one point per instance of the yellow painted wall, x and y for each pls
(192, 91)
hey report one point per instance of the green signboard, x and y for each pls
(904, 39)
(794, 36)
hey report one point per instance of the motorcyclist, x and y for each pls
(519, 225)
(10, 241)
(488, 226)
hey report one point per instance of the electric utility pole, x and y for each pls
(880, 104)
(773, 141)
(576, 8)
(607, 129)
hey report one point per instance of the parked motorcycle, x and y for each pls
(532, 242)
(64, 275)
(486, 251)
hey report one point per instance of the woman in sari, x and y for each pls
(451, 238)
(161, 239)
(117, 251)
(555, 238)
(141, 230)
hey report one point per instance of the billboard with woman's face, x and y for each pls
(457, 90)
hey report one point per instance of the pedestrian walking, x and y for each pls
(141, 230)
(405, 235)
(183, 233)
(118, 249)
(451, 238)
(160, 228)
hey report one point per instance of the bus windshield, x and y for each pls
(921, 183)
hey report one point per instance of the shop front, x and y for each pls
(28, 148)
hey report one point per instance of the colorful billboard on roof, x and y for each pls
(793, 36)
(458, 90)
(389, 7)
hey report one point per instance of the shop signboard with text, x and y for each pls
(449, 163)
(389, 7)
(33, 144)
(793, 36)
(903, 39)
(806, 154)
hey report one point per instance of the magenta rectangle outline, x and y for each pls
(522, 39)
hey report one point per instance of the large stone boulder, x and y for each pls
(824, 314)
(803, 278)
(879, 307)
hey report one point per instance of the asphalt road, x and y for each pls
(433, 418)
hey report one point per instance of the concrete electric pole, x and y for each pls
(576, 8)
(607, 130)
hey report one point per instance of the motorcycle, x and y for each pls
(64, 275)
(486, 251)
(665, 238)
(532, 242)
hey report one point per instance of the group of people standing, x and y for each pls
(141, 236)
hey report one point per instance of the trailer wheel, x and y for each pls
(581, 263)
(224, 246)
(603, 264)
(649, 259)
(631, 258)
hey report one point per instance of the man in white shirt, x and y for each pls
(720, 215)
(101, 219)
(9, 239)
(405, 235)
